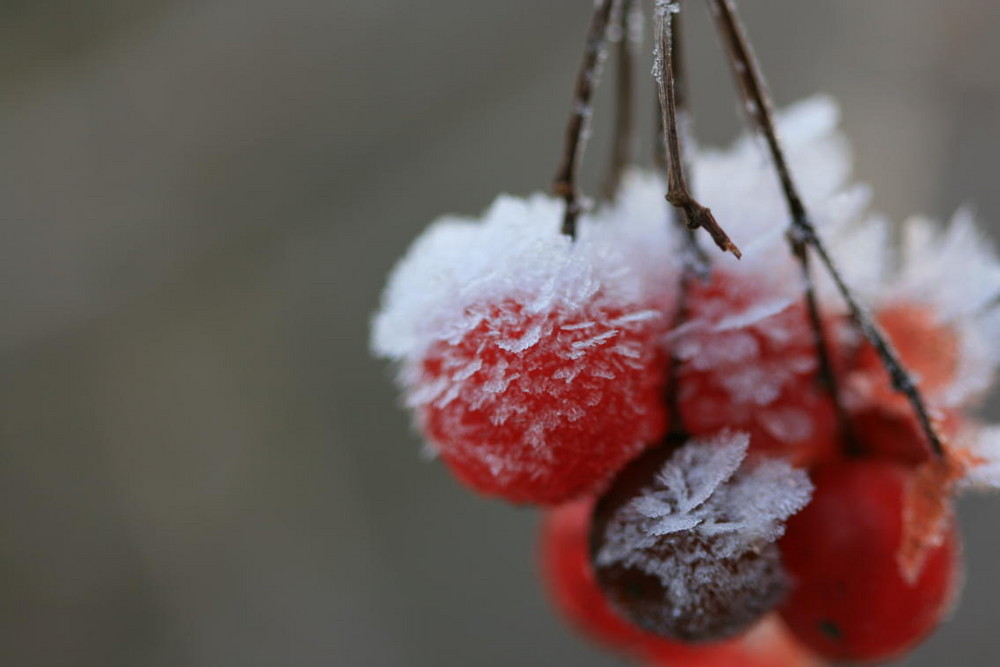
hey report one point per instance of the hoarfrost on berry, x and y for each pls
(532, 360)
(707, 488)
(690, 553)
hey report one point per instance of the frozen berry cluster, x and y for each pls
(714, 493)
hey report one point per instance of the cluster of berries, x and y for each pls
(709, 499)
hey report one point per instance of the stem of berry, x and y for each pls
(695, 262)
(802, 233)
(827, 375)
(628, 41)
(695, 215)
(565, 183)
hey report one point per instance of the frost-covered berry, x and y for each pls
(749, 362)
(569, 578)
(850, 599)
(532, 361)
(683, 542)
(548, 422)
(940, 309)
(927, 347)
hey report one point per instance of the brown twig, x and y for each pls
(622, 148)
(802, 233)
(695, 262)
(678, 194)
(827, 374)
(565, 183)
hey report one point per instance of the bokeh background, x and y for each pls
(199, 462)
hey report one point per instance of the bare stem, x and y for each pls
(622, 149)
(802, 233)
(695, 215)
(695, 262)
(565, 183)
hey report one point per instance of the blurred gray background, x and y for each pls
(201, 465)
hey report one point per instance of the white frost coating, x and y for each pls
(720, 504)
(514, 253)
(983, 442)
(955, 272)
(741, 188)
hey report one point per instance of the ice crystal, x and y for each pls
(692, 554)
(706, 490)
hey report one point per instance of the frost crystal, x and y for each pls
(515, 253)
(692, 556)
(704, 490)
(983, 443)
(956, 273)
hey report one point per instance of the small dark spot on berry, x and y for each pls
(831, 630)
(635, 590)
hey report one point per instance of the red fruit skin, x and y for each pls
(569, 578)
(894, 432)
(800, 422)
(768, 644)
(848, 599)
(928, 348)
(553, 421)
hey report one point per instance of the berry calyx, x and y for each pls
(850, 597)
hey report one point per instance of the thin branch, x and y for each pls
(678, 194)
(565, 183)
(695, 261)
(827, 374)
(802, 233)
(623, 146)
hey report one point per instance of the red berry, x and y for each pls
(544, 407)
(849, 598)
(569, 577)
(749, 363)
(767, 644)
(894, 432)
(567, 571)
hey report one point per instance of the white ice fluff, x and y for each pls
(515, 252)
(954, 271)
(983, 442)
(706, 490)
